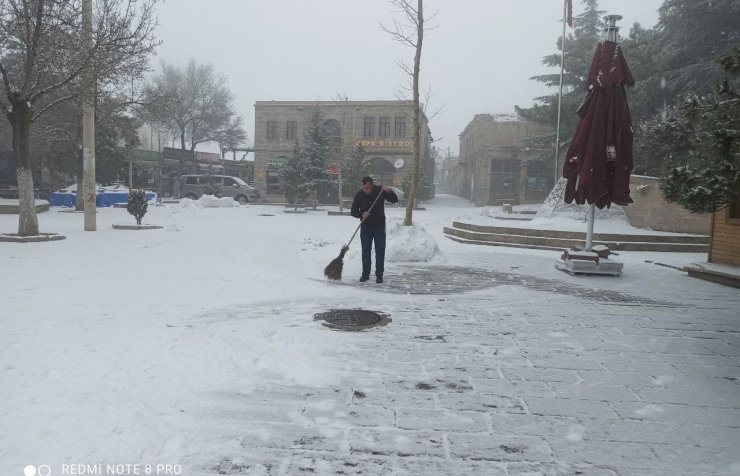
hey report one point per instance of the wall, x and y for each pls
(724, 245)
(651, 210)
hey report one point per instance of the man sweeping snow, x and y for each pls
(373, 224)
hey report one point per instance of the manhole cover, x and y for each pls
(351, 319)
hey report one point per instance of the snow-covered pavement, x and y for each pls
(195, 346)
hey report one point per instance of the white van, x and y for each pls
(191, 186)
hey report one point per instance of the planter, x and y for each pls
(137, 227)
(14, 238)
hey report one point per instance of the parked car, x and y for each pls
(191, 186)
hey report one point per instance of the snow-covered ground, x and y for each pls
(152, 347)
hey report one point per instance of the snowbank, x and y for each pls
(409, 243)
(209, 201)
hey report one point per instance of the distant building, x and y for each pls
(505, 159)
(383, 128)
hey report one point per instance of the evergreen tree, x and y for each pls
(579, 52)
(354, 168)
(316, 151)
(424, 188)
(137, 204)
(292, 176)
(705, 176)
(676, 59)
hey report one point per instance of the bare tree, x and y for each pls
(410, 31)
(43, 60)
(195, 105)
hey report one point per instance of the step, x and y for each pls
(689, 239)
(567, 243)
(508, 245)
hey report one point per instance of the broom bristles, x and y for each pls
(333, 270)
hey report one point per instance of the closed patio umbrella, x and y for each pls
(598, 163)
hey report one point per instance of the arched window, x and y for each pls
(333, 131)
(382, 170)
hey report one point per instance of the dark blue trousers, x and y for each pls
(368, 233)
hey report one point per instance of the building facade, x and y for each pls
(382, 128)
(505, 159)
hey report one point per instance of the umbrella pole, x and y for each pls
(590, 229)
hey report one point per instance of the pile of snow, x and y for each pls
(409, 243)
(555, 206)
(209, 201)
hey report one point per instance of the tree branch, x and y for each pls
(54, 103)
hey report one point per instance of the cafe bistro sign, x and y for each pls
(385, 144)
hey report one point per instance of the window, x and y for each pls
(191, 180)
(271, 130)
(400, 127)
(290, 128)
(229, 182)
(369, 129)
(384, 128)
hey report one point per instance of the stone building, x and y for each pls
(383, 128)
(505, 159)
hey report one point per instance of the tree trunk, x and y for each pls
(20, 120)
(80, 197)
(416, 116)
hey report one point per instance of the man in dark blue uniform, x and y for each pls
(373, 224)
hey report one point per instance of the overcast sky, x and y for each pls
(478, 59)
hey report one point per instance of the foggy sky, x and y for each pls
(478, 59)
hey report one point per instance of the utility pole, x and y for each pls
(89, 188)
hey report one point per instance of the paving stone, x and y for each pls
(541, 375)
(613, 454)
(668, 413)
(350, 416)
(535, 425)
(393, 399)
(476, 402)
(633, 431)
(569, 408)
(513, 389)
(498, 448)
(580, 391)
(594, 377)
(442, 419)
(396, 442)
(697, 391)
(433, 384)
(694, 460)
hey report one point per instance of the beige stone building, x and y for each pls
(383, 128)
(505, 159)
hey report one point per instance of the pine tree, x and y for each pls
(292, 176)
(316, 151)
(354, 168)
(137, 204)
(579, 52)
(705, 176)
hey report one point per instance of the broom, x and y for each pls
(333, 270)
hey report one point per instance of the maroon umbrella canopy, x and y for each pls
(599, 160)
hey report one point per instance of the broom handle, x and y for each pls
(363, 220)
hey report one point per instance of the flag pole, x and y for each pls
(560, 94)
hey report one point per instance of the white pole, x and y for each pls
(89, 189)
(590, 229)
(560, 94)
